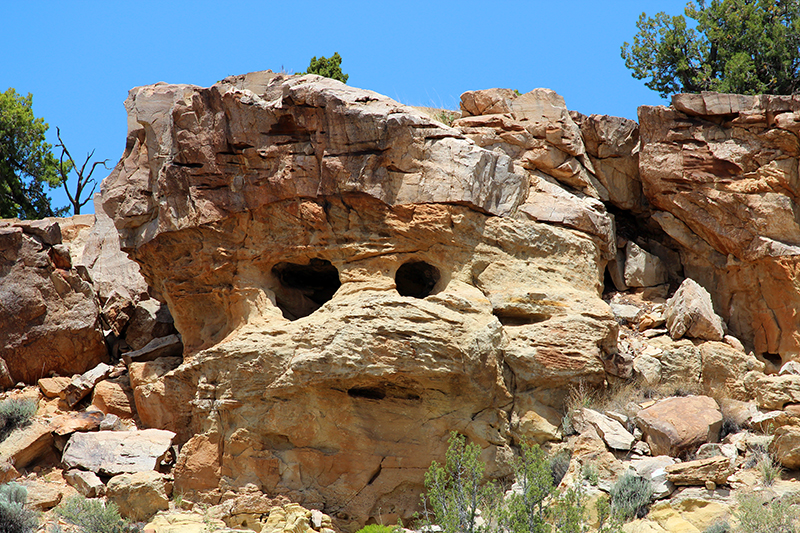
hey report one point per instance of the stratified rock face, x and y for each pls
(723, 170)
(49, 316)
(352, 281)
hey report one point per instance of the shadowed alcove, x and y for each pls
(416, 279)
(304, 288)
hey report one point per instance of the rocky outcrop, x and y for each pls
(721, 171)
(352, 281)
(49, 316)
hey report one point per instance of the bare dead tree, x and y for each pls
(84, 179)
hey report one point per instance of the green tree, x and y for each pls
(328, 67)
(26, 163)
(456, 495)
(736, 46)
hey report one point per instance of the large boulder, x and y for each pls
(352, 281)
(676, 426)
(49, 314)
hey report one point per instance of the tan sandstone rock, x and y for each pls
(690, 313)
(677, 425)
(139, 495)
(352, 281)
(785, 446)
(698, 472)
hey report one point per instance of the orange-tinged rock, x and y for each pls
(675, 426)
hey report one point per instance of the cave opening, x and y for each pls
(304, 288)
(416, 279)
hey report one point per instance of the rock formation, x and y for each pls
(353, 280)
(722, 171)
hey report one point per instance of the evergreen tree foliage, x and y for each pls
(26, 163)
(328, 67)
(733, 46)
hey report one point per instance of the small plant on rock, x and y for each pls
(15, 413)
(445, 116)
(769, 469)
(630, 496)
(92, 515)
(14, 517)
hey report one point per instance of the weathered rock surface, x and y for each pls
(785, 446)
(722, 170)
(611, 431)
(49, 316)
(715, 469)
(116, 452)
(690, 313)
(352, 280)
(677, 425)
(139, 495)
(87, 483)
(28, 444)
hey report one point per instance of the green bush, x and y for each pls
(329, 67)
(378, 528)
(459, 501)
(769, 469)
(93, 516)
(630, 496)
(15, 413)
(755, 514)
(14, 517)
(455, 491)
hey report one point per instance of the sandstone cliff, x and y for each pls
(351, 280)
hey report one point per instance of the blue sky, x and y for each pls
(80, 58)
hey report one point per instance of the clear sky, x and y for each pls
(79, 58)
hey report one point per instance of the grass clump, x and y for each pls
(94, 516)
(630, 496)
(769, 469)
(756, 514)
(14, 517)
(15, 413)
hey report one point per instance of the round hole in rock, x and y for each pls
(416, 278)
(304, 288)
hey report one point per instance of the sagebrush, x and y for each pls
(92, 515)
(15, 413)
(14, 516)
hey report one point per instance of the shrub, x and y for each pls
(630, 496)
(15, 413)
(378, 528)
(93, 516)
(455, 493)
(719, 527)
(525, 510)
(329, 67)
(756, 515)
(14, 517)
